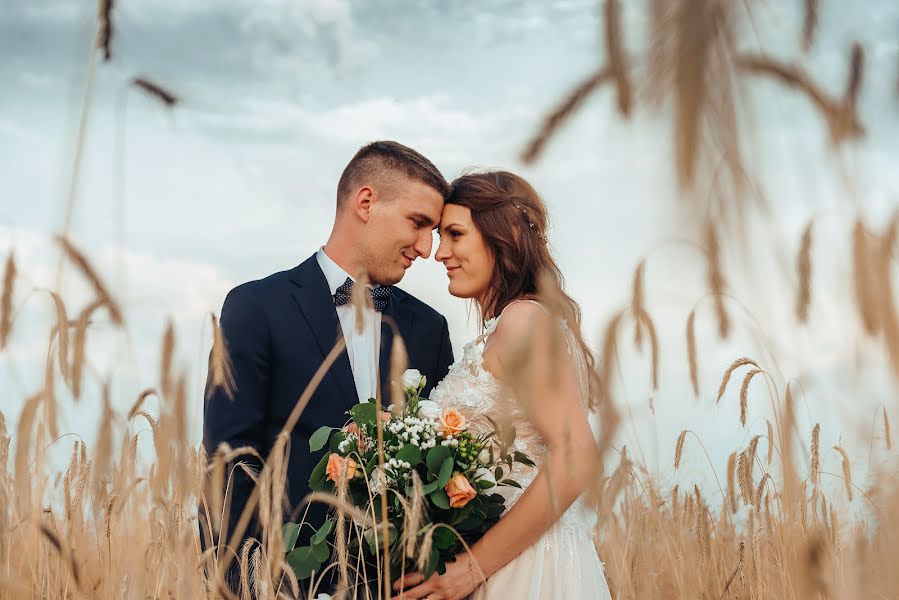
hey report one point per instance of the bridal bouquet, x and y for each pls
(432, 466)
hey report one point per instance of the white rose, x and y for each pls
(324, 596)
(483, 474)
(484, 456)
(428, 409)
(413, 380)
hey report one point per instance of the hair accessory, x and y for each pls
(524, 211)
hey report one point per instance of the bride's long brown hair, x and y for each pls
(512, 218)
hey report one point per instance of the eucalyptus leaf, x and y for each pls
(289, 534)
(446, 471)
(365, 413)
(440, 499)
(303, 562)
(410, 454)
(319, 438)
(436, 457)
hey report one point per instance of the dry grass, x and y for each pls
(113, 525)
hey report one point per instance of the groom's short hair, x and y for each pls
(381, 162)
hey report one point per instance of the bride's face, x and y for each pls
(462, 250)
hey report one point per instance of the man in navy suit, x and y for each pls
(279, 329)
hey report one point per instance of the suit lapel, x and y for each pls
(403, 320)
(313, 296)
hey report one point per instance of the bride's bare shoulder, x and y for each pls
(518, 322)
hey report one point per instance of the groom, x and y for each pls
(278, 330)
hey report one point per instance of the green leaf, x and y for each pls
(303, 562)
(430, 487)
(365, 413)
(289, 534)
(494, 510)
(410, 454)
(440, 499)
(317, 479)
(321, 552)
(510, 482)
(446, 471)
(498, 473)
(376, 543)
(431, 565)
(334, 441)
(469, 524)
(485, 484)
(523, 458)
(436, 458)
(322, 532)
(444, 538)
(319, 438)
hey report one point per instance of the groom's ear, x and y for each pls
(363, 202)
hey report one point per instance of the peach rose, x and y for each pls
(337, 466)
(452, 421)
(385, 416)
(352, 428)
(459, 491)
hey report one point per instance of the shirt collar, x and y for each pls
(334, 273)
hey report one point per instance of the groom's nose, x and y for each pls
(423, 243)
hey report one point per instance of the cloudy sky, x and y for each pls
(238, 181)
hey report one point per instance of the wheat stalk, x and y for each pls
(744, 477)
(9, 281)
(716, 280)
(615, 56)
(638, 303)
(104, 27)
(886, 428)
(744, 394)
(847, 471)
(567, 107)
(804, 269)
(816, 452)
(155, 90)
(80, 260)
(679, 448)
(691, 352)
(841, 117)
(809, 23)
(731, 471)
(733, 366)
(220, 367)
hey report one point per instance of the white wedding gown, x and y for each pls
(564, 563)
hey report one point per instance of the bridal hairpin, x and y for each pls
(524, 211)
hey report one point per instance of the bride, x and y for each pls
(493, 244)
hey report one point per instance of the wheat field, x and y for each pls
(118, 523)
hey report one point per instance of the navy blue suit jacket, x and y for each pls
(278, 331)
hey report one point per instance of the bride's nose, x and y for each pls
(443, 253)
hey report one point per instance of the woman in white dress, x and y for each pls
(494, 247)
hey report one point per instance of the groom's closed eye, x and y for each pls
(421, 220)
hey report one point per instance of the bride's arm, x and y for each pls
(548, 387)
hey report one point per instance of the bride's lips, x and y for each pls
(451, 270)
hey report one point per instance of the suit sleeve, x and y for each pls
(445, 354)
(240, 420)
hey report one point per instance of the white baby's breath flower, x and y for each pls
(413, 381)
(428, 409)
(483, 474)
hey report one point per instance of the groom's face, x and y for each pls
(400, 229)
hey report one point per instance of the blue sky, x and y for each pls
(238, 181)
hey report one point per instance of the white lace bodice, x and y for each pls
(477, 394)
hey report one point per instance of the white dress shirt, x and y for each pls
(363, 349)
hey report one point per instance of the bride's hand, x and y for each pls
(456, 583)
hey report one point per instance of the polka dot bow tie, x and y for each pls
(379, 295)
